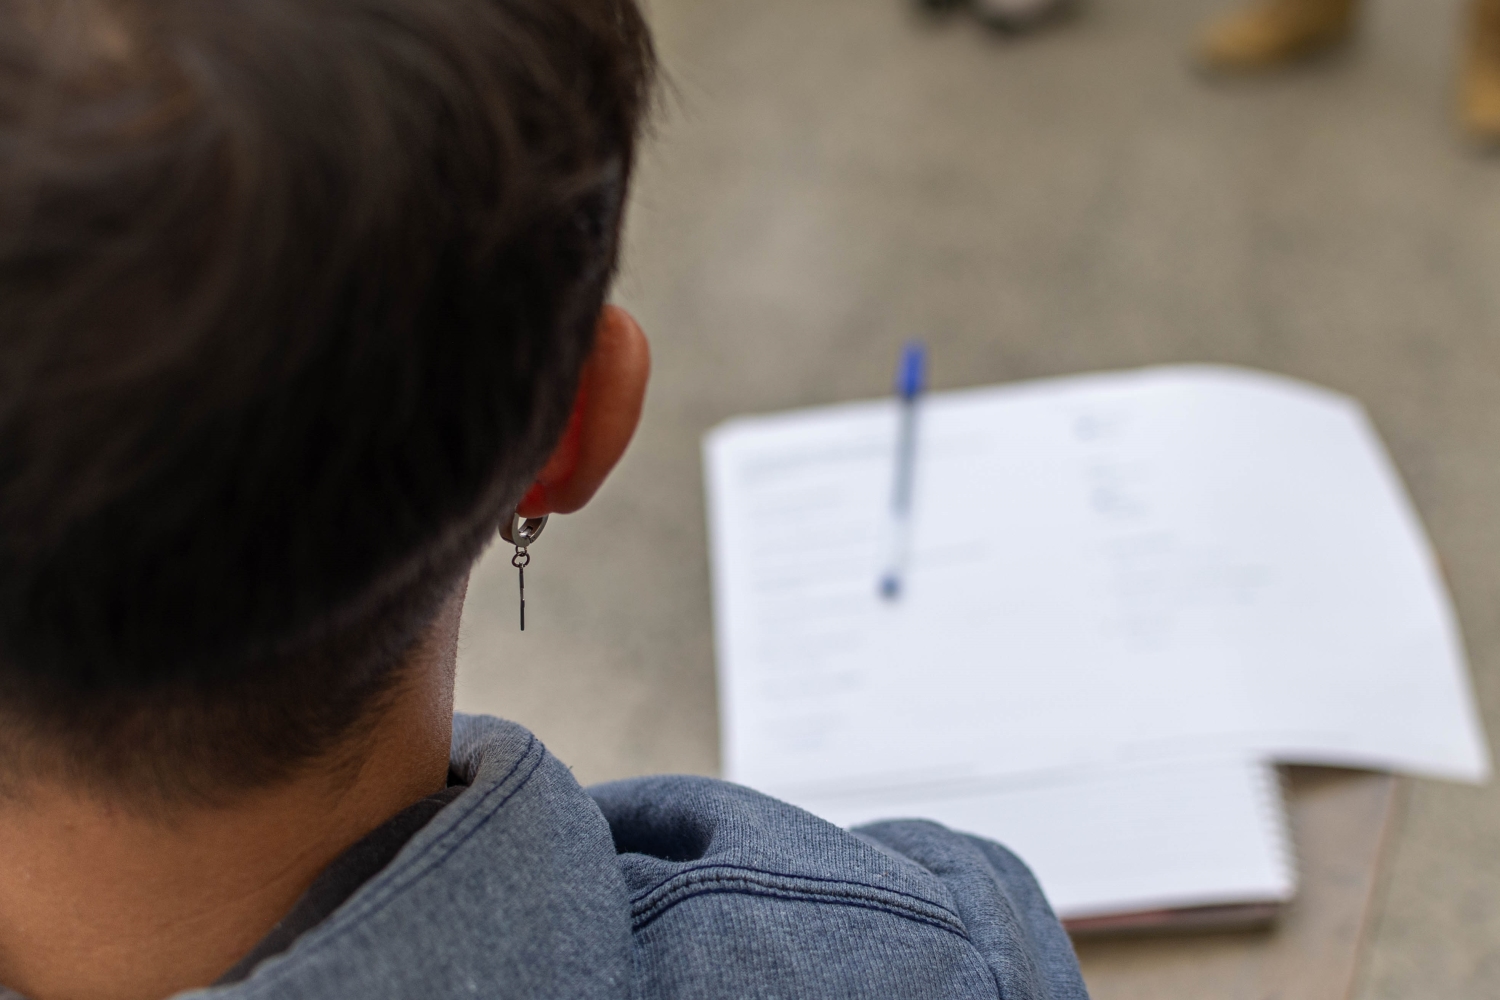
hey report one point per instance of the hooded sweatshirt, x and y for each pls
(518, 883)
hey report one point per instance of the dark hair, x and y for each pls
(294, 296)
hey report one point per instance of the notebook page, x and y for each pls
(1348, 639)
(1125, 839)
(1113, 567)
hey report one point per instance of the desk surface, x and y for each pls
(1341, 821)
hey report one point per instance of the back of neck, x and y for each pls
(98, 902)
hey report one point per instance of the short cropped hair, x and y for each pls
(294, 297)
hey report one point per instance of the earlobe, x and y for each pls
(606, 410)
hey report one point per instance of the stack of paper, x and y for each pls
(1126, 593)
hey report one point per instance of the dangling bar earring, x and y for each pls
(521, 532)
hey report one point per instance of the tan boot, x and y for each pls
(1271, 32)
(1479, 87)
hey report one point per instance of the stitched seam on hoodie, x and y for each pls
(754, 883)
(435, 854)
(439, 851)
(918, 902)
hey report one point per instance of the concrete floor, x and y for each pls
(832, 176)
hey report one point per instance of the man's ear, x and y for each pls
(611, 390)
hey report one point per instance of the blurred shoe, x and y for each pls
(1020, 15)
(1479, 87)
(1272, 32)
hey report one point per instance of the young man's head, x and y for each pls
(295, 301)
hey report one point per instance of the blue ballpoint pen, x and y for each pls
(909, 378)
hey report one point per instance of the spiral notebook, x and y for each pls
(1126, 594)
(1124, 847)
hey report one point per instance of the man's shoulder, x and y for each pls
(680, 836)
(733, 893)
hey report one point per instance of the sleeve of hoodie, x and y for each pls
(1008, 918)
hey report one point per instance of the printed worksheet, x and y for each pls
(1140, 566)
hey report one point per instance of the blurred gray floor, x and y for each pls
(830, 177)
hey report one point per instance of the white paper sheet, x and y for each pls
(1148, 565)
(1122, 839)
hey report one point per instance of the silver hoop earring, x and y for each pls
(521, 532)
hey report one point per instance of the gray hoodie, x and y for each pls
(523, 884)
